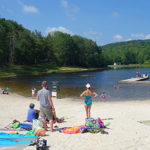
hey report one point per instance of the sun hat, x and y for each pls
(88, 85)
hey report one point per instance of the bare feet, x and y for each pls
(52, 130)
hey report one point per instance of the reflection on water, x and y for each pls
(118, 77)
(72, 84)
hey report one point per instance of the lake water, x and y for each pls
(72, 84)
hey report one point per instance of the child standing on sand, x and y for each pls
(87, 94)
(33, 92)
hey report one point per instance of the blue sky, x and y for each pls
(104, 21)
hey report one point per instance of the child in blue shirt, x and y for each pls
(32, 113)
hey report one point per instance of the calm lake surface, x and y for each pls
(72, 84)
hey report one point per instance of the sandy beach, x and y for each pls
(125, 132)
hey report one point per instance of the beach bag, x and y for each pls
(97, 124)
(41, 145)
(37, 123)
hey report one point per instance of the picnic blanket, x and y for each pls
(17, 126)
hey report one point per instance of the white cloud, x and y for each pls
(75, 9)
(137, 36)
(115, 14)
(141, 36)
(129, 39)
(147, 36)
(70, 9)
(60, 28)
(118, 37)
(30, 9)
(94, 35)
(64, 3)
(9, 11)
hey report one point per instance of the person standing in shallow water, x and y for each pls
(46, 106)
(88, 94)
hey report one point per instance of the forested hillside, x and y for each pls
(20, 46)
(131, 52)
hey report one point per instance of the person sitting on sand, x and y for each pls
(87, 94)
(3, 92)
(32, 113)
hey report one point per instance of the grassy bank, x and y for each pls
(17, 70)
(130, 66)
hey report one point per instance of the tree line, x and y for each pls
(20, 46)
(130, 52)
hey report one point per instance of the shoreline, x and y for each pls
(41, 69)
(80, 99)
(129, 66)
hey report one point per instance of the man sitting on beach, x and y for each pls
(32, 113)
(46, 106)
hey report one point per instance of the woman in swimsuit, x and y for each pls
(87, 94)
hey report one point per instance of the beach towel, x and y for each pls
(26, 126)
(9, 128)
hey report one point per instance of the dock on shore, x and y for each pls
(138, 80)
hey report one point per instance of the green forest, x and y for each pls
(20, 46)
(130, 52)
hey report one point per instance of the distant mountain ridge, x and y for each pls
(129, 52)
(147, 40)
